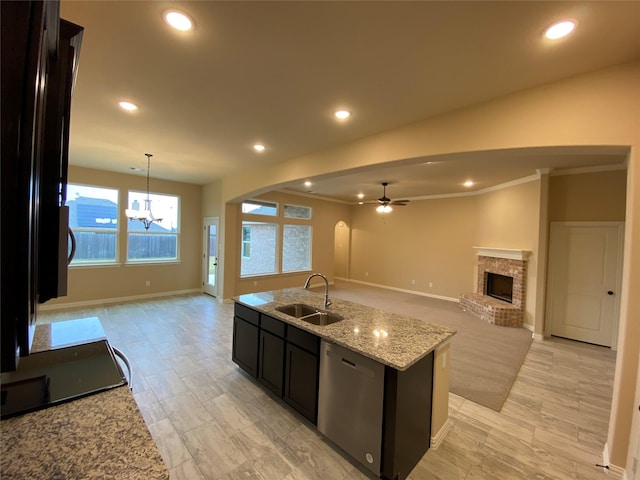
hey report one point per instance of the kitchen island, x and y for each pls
(99, 436)
(291, 357)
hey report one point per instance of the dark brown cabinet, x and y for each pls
(282, 357)
(245, 345)
(271, 362)
(301, 382)
(40, 55)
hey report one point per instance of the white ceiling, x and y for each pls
(273, 72)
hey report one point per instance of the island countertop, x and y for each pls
(393, 340)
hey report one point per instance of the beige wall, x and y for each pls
(90, 284)
(429, 241)
(588, 197)
(509, 218)
(325, 216)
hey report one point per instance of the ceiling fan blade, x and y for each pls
(399, 202)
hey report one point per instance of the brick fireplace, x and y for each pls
(510, 263)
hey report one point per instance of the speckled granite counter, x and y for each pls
(96, 437)
(100, 436)
(393, 340)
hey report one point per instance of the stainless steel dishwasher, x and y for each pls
(350, 403)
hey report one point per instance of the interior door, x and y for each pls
(585, 265)
(210, 257)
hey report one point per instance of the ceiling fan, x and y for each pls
(384, 202)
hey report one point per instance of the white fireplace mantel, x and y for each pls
(510, 253)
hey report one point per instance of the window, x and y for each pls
(261, 246)
(246, 241)
(256, 207)
(93, 217)
(295, 211)
(296, 248)
(160, 242)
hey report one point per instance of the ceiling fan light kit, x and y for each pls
(384, 202)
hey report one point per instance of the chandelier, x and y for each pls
(145, 215)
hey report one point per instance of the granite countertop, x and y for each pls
(99, 436)
(393, 340)
(96, 437)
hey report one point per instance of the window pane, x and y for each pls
(160, 241)
(296, 248)
(246, 241)
(261, 246)
(164, 209)
(152, 246)
(255, 207)
(295, 211)
(93, 217)
(94, 247)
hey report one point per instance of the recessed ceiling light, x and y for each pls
(178, 20)
(128, 106)
(258, 147)
(560, 29)
(342, 114)
(307, 183)
(361, 195)
(468, 183)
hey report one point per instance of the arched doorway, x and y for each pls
(342, 244)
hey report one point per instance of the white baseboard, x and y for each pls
(103, 301)
(413, 292)
(438, 438)
(614, 471)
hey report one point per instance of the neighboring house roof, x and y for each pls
(89, 212)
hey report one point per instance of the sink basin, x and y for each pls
(309, 314)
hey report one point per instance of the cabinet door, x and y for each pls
(245, 346)
(301, 382)
(271, 363)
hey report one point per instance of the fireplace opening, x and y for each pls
(499, 286)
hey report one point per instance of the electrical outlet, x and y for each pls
(413, 282)
(366, 274)
(430, 284)
(255, 283)
(148, 283)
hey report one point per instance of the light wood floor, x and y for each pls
(211, 421)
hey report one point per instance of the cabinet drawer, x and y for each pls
(303, 339)
(247, 314)
(272, 325)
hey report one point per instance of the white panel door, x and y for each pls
(585, 263)
(210, 257)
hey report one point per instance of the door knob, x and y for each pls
(610, 292)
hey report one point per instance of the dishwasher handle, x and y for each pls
(349, 363)
(358, 367)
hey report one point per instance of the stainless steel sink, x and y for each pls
(309, 314)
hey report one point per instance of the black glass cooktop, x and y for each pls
(52, 377)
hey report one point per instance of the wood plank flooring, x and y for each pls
(211, 421)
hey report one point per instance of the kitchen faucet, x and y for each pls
(327, 302)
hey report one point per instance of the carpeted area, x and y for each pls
(485, 359)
